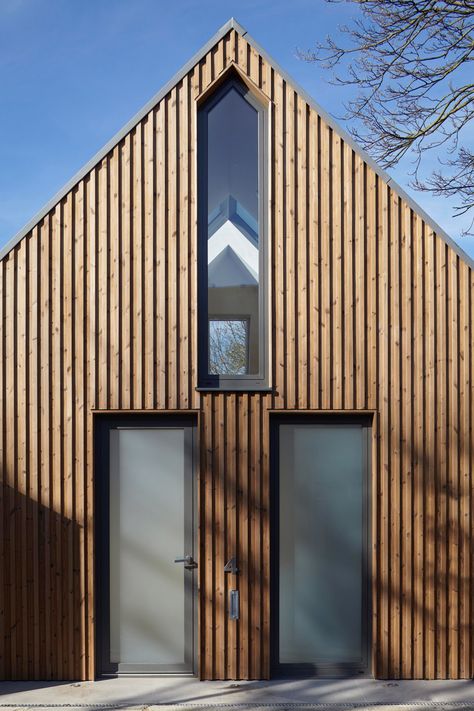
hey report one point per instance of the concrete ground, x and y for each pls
(178, 693)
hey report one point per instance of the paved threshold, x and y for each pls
(373, 706)
(271, 707)
(440, 705)
(186, 692)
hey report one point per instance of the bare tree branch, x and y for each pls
(413, 63)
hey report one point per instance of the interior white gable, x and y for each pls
(228, 235)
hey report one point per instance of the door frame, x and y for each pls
(277, 669)
(103, 422)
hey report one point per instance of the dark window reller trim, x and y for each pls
(257, 381)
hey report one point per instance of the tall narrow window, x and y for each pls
(232, 328)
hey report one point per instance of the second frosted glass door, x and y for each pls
(322, 547)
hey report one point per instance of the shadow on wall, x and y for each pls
(422, 604)
(424, 625)
(44, 601)
(423, 587)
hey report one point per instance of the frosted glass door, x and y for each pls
(150, 506)
(322, 547)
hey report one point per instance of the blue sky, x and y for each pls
(72, 73)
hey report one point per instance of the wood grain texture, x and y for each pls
(370, 310)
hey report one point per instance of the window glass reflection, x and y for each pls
(233, 236)
(228, 346)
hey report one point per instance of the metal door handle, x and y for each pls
(188, 561)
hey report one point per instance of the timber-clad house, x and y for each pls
(236, 401)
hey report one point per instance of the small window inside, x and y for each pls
(228, 346)
(231, 239)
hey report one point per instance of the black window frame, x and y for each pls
(206, 380)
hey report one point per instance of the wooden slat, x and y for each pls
(46, 668)
(441, 460)
(325, 275)
(172, 252)
(138, 323)
(394, 440)
(301, 257)
(114, 280)
(149, 296)
(418, 449)
(255, 561)
(34, 483)
(206, 538)
(160, 271)
(348, 273)
(23, 618)
(68, 521)
(290, 251)
(266, 538)
(242, 57)
(56, 453)
(253, 64)
(429, 608)
(126, 285)
(381, 634)
(313, 260)
(337, 321)
(103, 287)
(183, 249)
(406, 440)
(91, 403)
(371, 258)
(231, 514)
(360, 283)
(465, 514)
(278, 250)
(193, 89)
(453, 521)
(243, 524)
(219, 601)
(79, 355)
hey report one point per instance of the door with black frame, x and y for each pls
(145, 543)
(320, 586)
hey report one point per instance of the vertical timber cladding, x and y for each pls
(370, 311)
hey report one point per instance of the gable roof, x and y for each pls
(232, 24)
